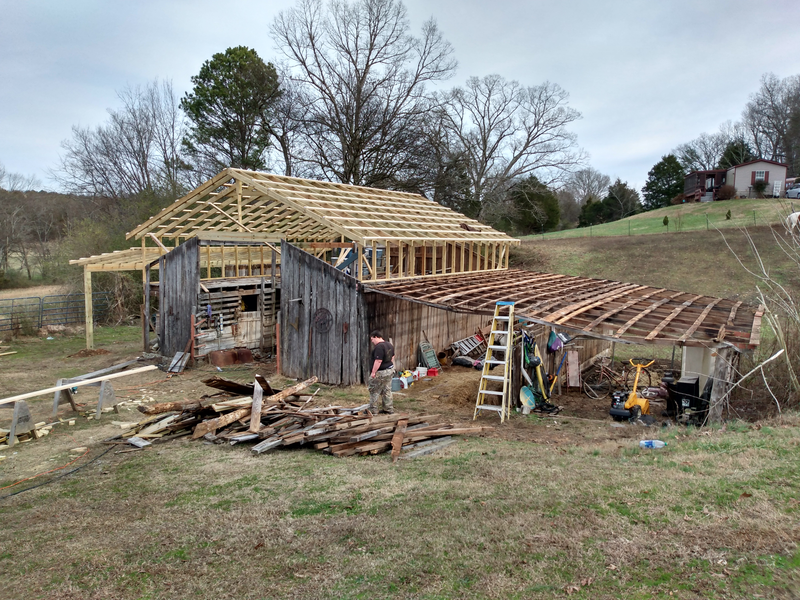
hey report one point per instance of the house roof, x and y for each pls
(306, 210)
(611, 310)
(772, 162)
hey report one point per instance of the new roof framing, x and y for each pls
(306, 210)
(611, 310)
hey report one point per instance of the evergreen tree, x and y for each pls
(664, 182)
(229, 110)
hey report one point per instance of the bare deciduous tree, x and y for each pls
(363, 76)
(137, 152)
(587, 183)
(509, 131)
(702, 153)
(772, 117)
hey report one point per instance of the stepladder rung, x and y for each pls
(490, 392)
(500, 318)
(499, 347)
(493, 361)
(493, 407)
(494, 377)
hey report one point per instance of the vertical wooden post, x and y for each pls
(424, 258)
(222, 259)
(723, 375)
(374, 260)
(387, 262)
(208, 261)
(239, 201)
(87, 296)
(508, 252)
(146, 310)
(400, 270)
(471, 253)
(433, 259)
(273, 267)
(453, 257)
(360, 262)
(461, 264)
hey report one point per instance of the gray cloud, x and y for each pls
(646, 75)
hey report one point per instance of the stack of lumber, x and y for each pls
(285, 422)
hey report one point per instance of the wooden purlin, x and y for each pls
(179, 204)
(581, 304)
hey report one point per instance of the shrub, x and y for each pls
(726, 192)
(728, 215)
(759, 187)
(666, 221)
(679, 199)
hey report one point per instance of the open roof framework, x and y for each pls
(611, 310)
(394, 234)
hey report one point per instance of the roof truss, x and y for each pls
(304, 210)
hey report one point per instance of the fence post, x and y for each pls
(754, 218)
(629, 228)
(706, 221)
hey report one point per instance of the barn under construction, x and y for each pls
(247, 258)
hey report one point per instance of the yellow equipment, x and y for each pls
(636, 404)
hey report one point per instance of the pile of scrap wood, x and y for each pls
(286, 419)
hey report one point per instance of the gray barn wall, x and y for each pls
(334, 352)
(405, 322)
(179, 285)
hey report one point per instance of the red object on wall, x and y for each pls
(752, 177)
(766, 176)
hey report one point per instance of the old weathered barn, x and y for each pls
(336, 261)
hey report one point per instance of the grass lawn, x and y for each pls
(714, 515)
(687, 217)
(540, 508)
(697, 261)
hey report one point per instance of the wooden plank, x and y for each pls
(397, 439)
(258, 397)
(644, 313)
(671, 316)
(755, 335)
(76, 384)
(699, 320)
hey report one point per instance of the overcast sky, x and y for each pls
(646, 75)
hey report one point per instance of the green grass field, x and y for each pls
(687, 217)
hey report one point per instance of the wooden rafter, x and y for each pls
(600, 308)
(305, 210)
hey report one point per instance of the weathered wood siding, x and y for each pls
(330, 348)
(409, 323)
(179, 285)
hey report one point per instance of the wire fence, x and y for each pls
(37, 312)
(676, 222)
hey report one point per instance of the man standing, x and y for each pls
(380, 379)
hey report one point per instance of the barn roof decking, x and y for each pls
(611, 310)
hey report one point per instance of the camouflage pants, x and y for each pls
(380, 386)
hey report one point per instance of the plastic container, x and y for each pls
(433, 372)
(397, 384)
(652, 444)
(422, 371)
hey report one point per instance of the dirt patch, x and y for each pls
(87, 352)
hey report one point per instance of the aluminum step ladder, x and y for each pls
(500, 341)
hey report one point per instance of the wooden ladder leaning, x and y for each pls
(500, 340)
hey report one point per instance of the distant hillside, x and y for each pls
(697, 262)
(689, 217)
